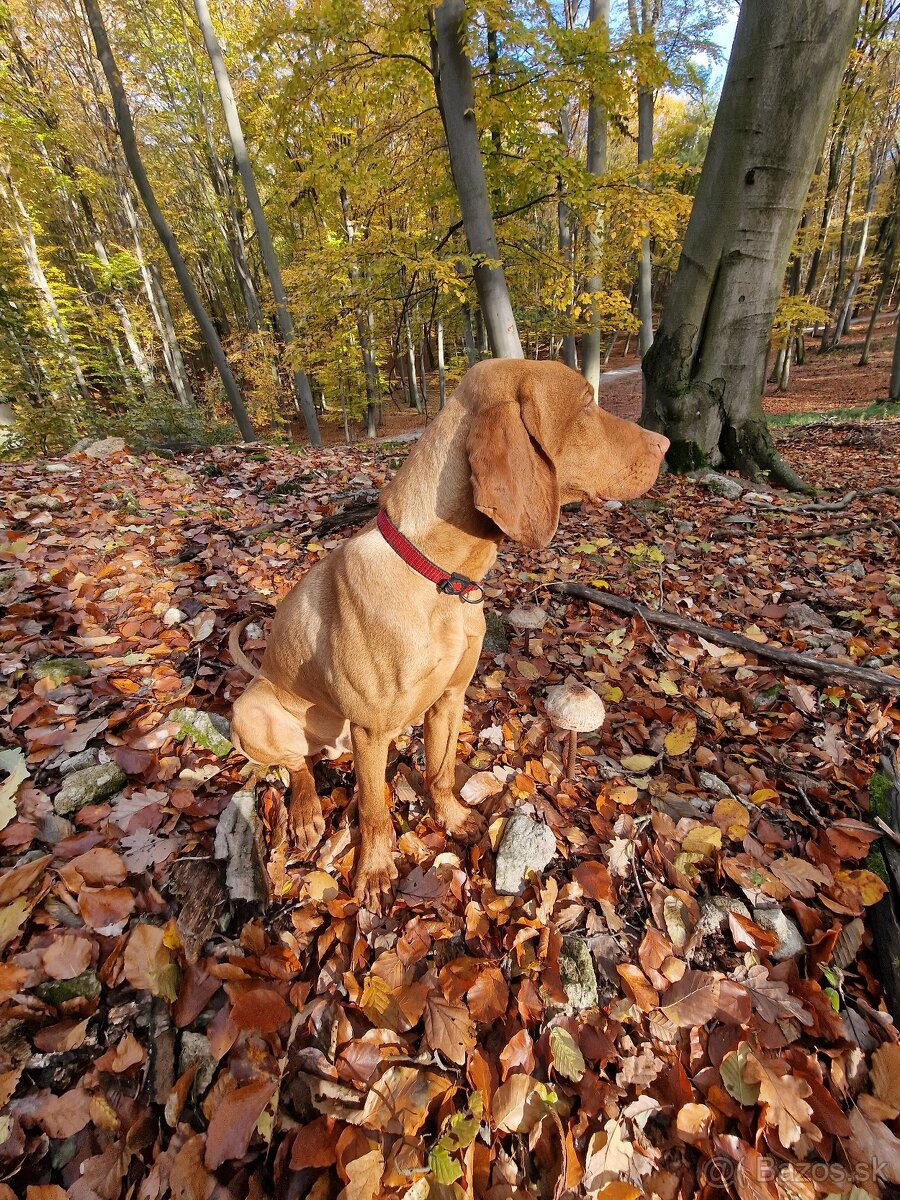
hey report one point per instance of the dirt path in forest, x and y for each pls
(824, 383)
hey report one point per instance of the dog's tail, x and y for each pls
(234, 648)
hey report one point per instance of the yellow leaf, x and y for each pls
(702, 839)
(319, 886)
(680, 739)
(638, 763)
(763, 795)
(864, 884)
(732, 818)
(668, 686)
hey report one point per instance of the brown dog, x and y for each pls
(366, 643)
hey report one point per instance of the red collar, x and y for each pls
(449, 584)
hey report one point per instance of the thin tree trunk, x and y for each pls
(365, 326)
(53, 319)
(456, 101)
(704, 375)
(414, 398)
(843, 250)
(847, 306)
(894, 386)
(442, 372)
(469, 336)
(564, 219)
(302, 389)
(591, 347)
(645, 270)
(166, 237)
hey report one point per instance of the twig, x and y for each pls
(825, 505)
(826, 669)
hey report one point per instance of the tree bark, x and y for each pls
(646, 27)
(365, 323)
(843, 321)
(456, 101)
(564, 218)
(704, 375)
(591, 347)
(55, 325)
(302, 389)
(166, 237)
(442, 371)
(894, 386)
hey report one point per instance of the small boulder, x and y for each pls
(208, 730)
(195, 1049)
(721, 485)
(790, 939)
(88, 786)
(58, 991)
(800, 616)
(58, 670)
(495, 639)
(526, 845)
(87, 758)
(105, 447)
(577, 974)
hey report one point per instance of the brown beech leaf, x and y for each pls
(65, 1115)
(517, 1106)
(106, 909)
(399, 1101)
(100, 865)
(314, 1145)
(638, 986)
(488, 996)
(261, 1009)
(785, 1097)
(449, 1028)
(190, 1179)
(149, 964)
(693, 1000)
(234, 1120)
(594, 880)
(67, 956)
(19, 879)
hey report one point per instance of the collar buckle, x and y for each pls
(462, 587)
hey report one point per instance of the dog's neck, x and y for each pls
(430, 500)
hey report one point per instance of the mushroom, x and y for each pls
(574, 708)
(527, 616)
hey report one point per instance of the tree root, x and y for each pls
(826, 505)
(827, 670)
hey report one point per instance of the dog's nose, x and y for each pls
(660, 443)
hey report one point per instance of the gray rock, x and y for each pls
(790, 939)
(800, 616)
(195, 1049)
(87, 758)
(105, 447)
(208, 730)
(721, 485)
(714, 912)
(857, 570)
(58, 670)
(526, 846)
(42, 503)
(684, 526)
(87, 786)
(495, 639)
(576, 971)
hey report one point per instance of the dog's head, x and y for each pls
(537, 440)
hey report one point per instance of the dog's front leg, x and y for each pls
(305, 815)
(442, 724)
(375, 870)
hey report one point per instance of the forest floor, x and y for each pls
(824, 383)
(687, 995)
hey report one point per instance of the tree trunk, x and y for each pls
(645, 270)
(894, 387)
(159, 308)
(456, 101)
(413, 393)
(166, 237)
(843, 250)
(365, 326)
(591, 348)
(704, 375)
(52, 317)
(469, 336)
(442, 372)
(567, 253)
(876, 168)
(302, 390)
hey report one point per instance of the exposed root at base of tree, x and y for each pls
(828, 670)
(825, 505)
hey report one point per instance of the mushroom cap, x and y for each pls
(527, 616)
(573, 706)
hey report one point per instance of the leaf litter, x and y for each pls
(707, 902)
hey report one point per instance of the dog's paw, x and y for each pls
(307, 826)
(462, 823)
(373, 885)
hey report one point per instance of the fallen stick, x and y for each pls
(829, 670)
(824, 505)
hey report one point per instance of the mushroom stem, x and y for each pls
(571, 747)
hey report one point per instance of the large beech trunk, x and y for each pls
(456, 99)
(302, 389)
(166, 237)
(704, 375)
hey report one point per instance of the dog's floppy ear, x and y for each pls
(513, 477)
